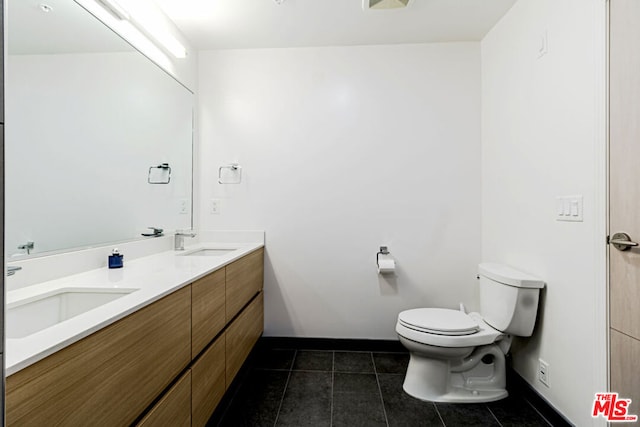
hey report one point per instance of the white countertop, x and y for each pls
(154, 276)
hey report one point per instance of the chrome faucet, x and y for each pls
(155, 232)
(179, 239)
(11, 269)
(27, 247)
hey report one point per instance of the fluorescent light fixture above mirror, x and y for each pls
(158, 32)
(149, 24)
(113, 7)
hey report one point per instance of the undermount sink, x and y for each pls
(209, 252)
(31, 315)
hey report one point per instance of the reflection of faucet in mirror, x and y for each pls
(179, 241)
(11, 269)
(155, 232)
(27, 246)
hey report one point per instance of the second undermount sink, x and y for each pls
(209, 252)
(31, 315)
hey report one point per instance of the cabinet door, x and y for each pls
(110, 377)
(242, 335)
(244, 280)
(174, 409)
(208, 383)
(207, 310)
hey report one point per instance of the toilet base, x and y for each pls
(438, 380)
(461, 395)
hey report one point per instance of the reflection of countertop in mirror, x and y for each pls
(152, 277)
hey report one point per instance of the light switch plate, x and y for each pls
(569, 208)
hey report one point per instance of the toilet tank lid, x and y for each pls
(509, 276)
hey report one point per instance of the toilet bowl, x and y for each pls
(459, 357)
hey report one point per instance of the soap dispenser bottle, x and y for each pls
(115, 259)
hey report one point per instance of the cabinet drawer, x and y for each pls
(242, 335)
(208, 382)
(207, 310)
(244, 280)
(110, 377)
(174, 409)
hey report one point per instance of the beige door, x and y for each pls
(624, 199)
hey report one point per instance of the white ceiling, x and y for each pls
(220, 24)
(66, 28)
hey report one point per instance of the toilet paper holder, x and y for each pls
(383, 251)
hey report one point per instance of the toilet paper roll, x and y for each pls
(386, 266)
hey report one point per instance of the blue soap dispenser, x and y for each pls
(115, 259)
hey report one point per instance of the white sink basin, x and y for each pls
(209, 252)
(30, 315)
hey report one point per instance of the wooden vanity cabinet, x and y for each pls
(208, 384)
(244, 279)
(242, 335)
(207, 309)
(109, 377)
(174, 409)
(168, 363)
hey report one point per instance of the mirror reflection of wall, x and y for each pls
(87, 116)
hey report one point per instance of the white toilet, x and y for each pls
(460, 357)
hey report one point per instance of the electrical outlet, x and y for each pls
(215, 206)
(543, 372)
(183, 206)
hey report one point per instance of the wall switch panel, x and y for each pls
(569, 208)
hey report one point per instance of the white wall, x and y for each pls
(543, 135)
(343, 150)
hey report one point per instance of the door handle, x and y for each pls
(622, 242)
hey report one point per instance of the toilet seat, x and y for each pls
(439, 321)
(427, 326)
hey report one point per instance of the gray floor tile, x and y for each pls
(299, 411)
(391, 363)
(258, 400)
(326, 388)
(403, 410)
(307, 400)
(313, 361)
(310, 382)
(468, 415)
(355, 362)
(516, 412)
(357, 410)
(355, 383)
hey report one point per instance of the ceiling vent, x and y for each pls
(384, 4)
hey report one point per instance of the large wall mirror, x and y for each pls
(88, 121)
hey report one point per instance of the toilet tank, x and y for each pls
(508, 298)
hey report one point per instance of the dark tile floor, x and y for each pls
(290, 387)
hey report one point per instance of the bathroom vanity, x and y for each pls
(165, 362)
